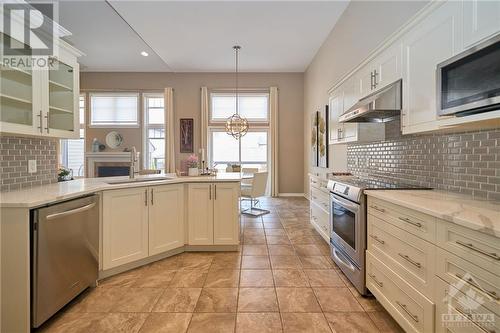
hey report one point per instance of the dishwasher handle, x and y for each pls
(70, 212)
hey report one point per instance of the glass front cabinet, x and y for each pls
(42, 102)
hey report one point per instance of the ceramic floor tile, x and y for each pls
(100, 299)
(257, 300)
(227, 262)
(189, 278)
(195, 263)
(315, 262)
(337, 299)
(274, 240)
(285, 262)
(126, 279)
(256, 278)
(350, 322)
(258, 323)
(154, 277)
(178, 300)
(222, 278)
(212, 323)
(275, 232)
(137, 300)
(217, 300)
(272, 226)
(72, 322)
(166, 323)
(254, 240)
(255, 250)
(255, 262)
(297, 300)
(281, 250)
(324, 278)
(290, 278)
(304, 322)
(307, 250)
(384, 322)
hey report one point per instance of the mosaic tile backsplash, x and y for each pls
(466, 162)
(14, 155)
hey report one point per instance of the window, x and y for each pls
(73, 150)
(154, 131)
(114, 110)
(253, 106)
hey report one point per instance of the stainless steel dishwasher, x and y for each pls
(65, 254)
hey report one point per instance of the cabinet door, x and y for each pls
(366, 79)
(434, 40)
(388, 66)
(350, 132)
(125, 226)
(335, 110)
(200, 214)
(352, 92)
(481, 19)
(226, 217)
(166, 218)
(62, 89)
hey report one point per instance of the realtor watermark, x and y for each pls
(465, 305)
(28, 39)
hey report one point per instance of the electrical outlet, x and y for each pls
(31, 166)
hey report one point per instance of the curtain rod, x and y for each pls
(123, 90)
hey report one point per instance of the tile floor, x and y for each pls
(281, 280)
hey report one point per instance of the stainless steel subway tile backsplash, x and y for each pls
(465, 162)
(14, 155)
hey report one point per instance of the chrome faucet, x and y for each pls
(133, 160)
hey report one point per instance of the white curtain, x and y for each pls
(204, 122)
(273, 104)
(170, 129)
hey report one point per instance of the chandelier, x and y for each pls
(236, 126)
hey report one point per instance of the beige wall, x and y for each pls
(187, 105)
(360, 29)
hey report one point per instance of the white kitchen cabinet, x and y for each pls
(125, 226)
(213, 214)
(166, 218)
(335, 110)
(352, 92)
(481, 19)
(42, 102)
(436, 38)
(200, 214)
(226, 228)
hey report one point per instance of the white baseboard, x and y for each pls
(291, 194)
(306, 195)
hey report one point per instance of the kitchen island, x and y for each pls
(140, 221)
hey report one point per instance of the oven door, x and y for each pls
(348, 230)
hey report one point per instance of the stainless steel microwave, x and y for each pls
(469, 82)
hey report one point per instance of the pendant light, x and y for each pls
(236, 126)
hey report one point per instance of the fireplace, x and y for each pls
(108, 164)
(111, 169)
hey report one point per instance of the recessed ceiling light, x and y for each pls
(144, 54)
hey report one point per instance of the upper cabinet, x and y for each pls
(433, 40)
(43, 101)
(438, 32)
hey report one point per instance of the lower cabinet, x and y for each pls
(213, 214)
(166, 218)
(125, 226)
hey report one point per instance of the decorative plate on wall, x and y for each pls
(114, 140)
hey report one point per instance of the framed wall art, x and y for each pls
(187, 133)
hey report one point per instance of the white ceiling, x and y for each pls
(197, 36)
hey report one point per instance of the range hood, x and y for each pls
(380, 107)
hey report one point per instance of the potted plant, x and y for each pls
(64, 174)
(192, 164)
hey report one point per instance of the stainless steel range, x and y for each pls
(348, 222)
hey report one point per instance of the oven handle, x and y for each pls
(344, 203)
(344, 262)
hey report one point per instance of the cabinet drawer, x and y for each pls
(320, 220)
(468, 310)
(413, 311)
(318, 183)
(320, 198)
(414, 222)
(481, 249)
(411, 257)
(472, 278)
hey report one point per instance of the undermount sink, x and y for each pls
(138, 180)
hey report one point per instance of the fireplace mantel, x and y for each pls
(106, 157)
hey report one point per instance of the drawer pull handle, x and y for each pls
(471, 281)
(378, 209)
(407, 220)
(474, 248)
(410, 260)
(377, 239)
(374, 278)
(469, 316)
(405, 308)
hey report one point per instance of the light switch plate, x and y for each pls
(31, 166)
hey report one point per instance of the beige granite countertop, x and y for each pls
(479, 214)
(42, 195)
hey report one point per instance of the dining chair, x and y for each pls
(254, 191)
